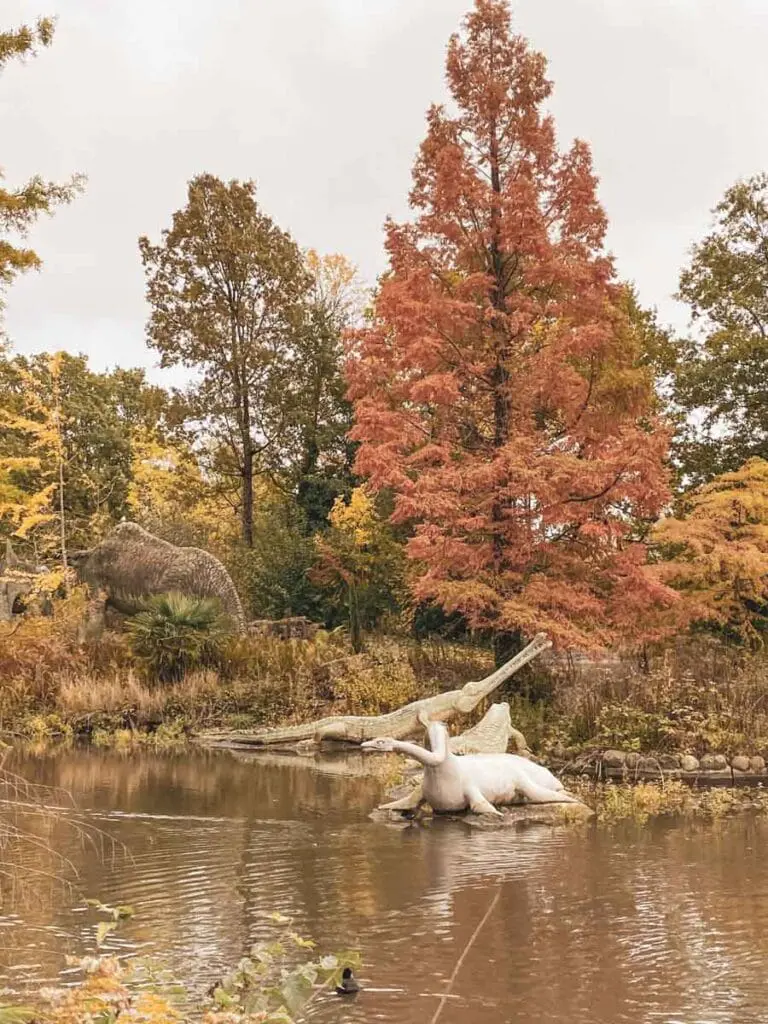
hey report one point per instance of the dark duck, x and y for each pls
(349, 984)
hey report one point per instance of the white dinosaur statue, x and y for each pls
(475, 781)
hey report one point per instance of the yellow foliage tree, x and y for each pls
(716, 554)
(359, 553)
(20, 207)
(168, 493)
(32, 485)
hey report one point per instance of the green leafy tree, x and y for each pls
(226, 288)
(99, 414)
(274, 574)
(20, 207)
(324, 455)
(720, 378)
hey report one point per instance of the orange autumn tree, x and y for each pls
(498, 388)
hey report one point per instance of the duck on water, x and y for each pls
(474, 781)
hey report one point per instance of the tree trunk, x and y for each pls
(355, 632)
(246, 512)
(60, 459)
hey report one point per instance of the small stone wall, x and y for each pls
(710, 769)
(284, 629)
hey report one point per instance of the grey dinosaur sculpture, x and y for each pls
(474, 781)
(131, 564)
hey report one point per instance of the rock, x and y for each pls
(669, 762)
(614, 758)
(648, 764)
(757, 764)
(527, 814)
(632, 761)
(512, 817)
(740, 764)
(689, 763)
(714, 763)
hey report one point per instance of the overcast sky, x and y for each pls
(322, 102)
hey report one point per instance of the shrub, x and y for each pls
(176, 634)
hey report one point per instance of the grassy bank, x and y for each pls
(613, 803)
(696, 697)
(55, 683)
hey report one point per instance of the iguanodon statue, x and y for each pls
(472, 781)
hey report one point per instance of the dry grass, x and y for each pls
(614, 802)
(55, 682)
(696, 697)
(35, 822)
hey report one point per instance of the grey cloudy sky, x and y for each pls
(323, 102)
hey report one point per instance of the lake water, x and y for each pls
(594, 925)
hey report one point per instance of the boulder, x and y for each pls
(296, 628)
(757, 764)
(648, 764)
(614, 758)
(740, 764)
(689, 763)
(669, 762)
(632, 761)
(714, 763)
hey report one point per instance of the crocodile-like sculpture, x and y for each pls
(398, 724)
(474, 781)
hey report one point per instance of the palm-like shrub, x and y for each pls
(175, 634)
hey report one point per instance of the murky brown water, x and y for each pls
(666, 923)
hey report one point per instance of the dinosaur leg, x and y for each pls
(409, 802)
(536, 794)
(478, 804)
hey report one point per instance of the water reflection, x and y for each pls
(664, 923)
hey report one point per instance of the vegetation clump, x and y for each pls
(273, 984)
(175, 634)
(615, 802)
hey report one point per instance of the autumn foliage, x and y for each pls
(717, 556)
(498, 389)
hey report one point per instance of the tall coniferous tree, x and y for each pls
(497, 390)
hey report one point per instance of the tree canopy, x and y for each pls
(21, 206)
(720, 380)
(499, 390)
(716, 554)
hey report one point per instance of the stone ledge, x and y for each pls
(516, 816)
(709, 770)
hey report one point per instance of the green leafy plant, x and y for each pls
(175, 634)
(267, 986)
(274, 984)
